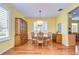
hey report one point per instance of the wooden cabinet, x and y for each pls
(72, 39)
(20, 32)
(54, 37)
(58, 38)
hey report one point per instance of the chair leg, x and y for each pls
(42, 45)
(45, 43)
(37, 44)
(50, 43)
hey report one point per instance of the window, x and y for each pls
(40, 26)
(4, 24)
(74, 27)
(59, 27)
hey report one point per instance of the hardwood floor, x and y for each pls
(54, 49)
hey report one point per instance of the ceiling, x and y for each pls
(47, 9)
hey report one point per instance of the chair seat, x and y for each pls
(40, 41)
(45, 35)
(33, 39)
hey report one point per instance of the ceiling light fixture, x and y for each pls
(74, 13)
(60, 9)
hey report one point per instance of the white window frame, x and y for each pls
(75, 24)
(7, 37)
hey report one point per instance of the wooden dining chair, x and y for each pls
(34, 37)
(40, 39)
(45, 36)
(50, 38)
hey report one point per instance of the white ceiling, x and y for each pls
(32, 9)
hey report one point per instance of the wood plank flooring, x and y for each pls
(50, 49)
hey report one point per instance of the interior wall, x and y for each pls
(51, 24)
(13, 13)
(64, 25)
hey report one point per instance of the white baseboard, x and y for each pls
(6, 49)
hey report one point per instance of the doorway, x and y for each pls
(74, 24)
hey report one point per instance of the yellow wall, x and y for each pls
(51, 24)
(63, 19)
(13, 13)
